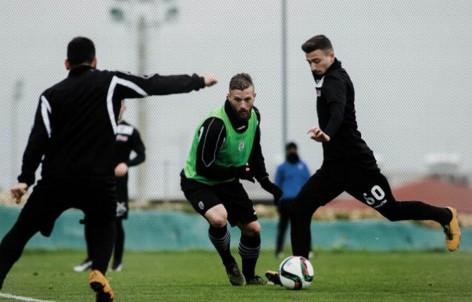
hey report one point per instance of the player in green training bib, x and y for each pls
(225, 149)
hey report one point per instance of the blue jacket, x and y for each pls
(291, 177)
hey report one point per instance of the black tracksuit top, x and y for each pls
(337, 118)
(73, 134)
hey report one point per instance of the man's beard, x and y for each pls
(243, 115)
(316, 76)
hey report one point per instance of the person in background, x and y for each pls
(291, 175)
(128, 140)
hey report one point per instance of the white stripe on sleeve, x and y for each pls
(111, 90)
(45, 111)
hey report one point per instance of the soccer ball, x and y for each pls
(296, 272)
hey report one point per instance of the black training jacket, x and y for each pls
(73, 134)
(337, 118)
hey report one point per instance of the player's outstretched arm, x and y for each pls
(126, 85)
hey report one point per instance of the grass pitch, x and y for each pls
(199, 276)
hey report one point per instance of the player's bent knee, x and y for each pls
(217, 216)
(217, 220)
(252, 229)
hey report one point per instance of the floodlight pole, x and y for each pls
(142, 113)
(15, 103)
(284, 74)
(142, 25)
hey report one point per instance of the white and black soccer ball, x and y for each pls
(296, 272)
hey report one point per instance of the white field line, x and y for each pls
(20, 298)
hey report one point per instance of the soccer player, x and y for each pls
(290, 176)
(73, 136)
(349, 164)
(128, 140)
(226, 148)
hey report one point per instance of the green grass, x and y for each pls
(199, 276)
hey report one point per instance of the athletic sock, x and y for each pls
(12, 245)
(416, 210)
(88, 235)
(102, 240)
(249, 247)
(119, 244)
(445, 217)
(221, 238)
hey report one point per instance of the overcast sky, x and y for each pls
(409, 61)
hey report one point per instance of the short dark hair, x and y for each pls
(317, 42)
(240, 81)
(80, 50)
(290, 145)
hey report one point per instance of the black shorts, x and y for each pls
(366, 184)
(231, 195)
(50, 198)
(122, 207)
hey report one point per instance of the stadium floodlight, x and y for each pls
(143, 15)
(155, 12)
(172, 13)
(117, 14)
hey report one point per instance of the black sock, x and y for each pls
(102, 240)
(444, 216)
(12, 245)
(88, 235)
(119, 244)
(221, 238)
(249, 247)
(415, 210)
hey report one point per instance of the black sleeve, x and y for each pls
(334, 90)
(126, 85)
(37, 143)
(138, 147)
(256, 159)
(212, 135)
